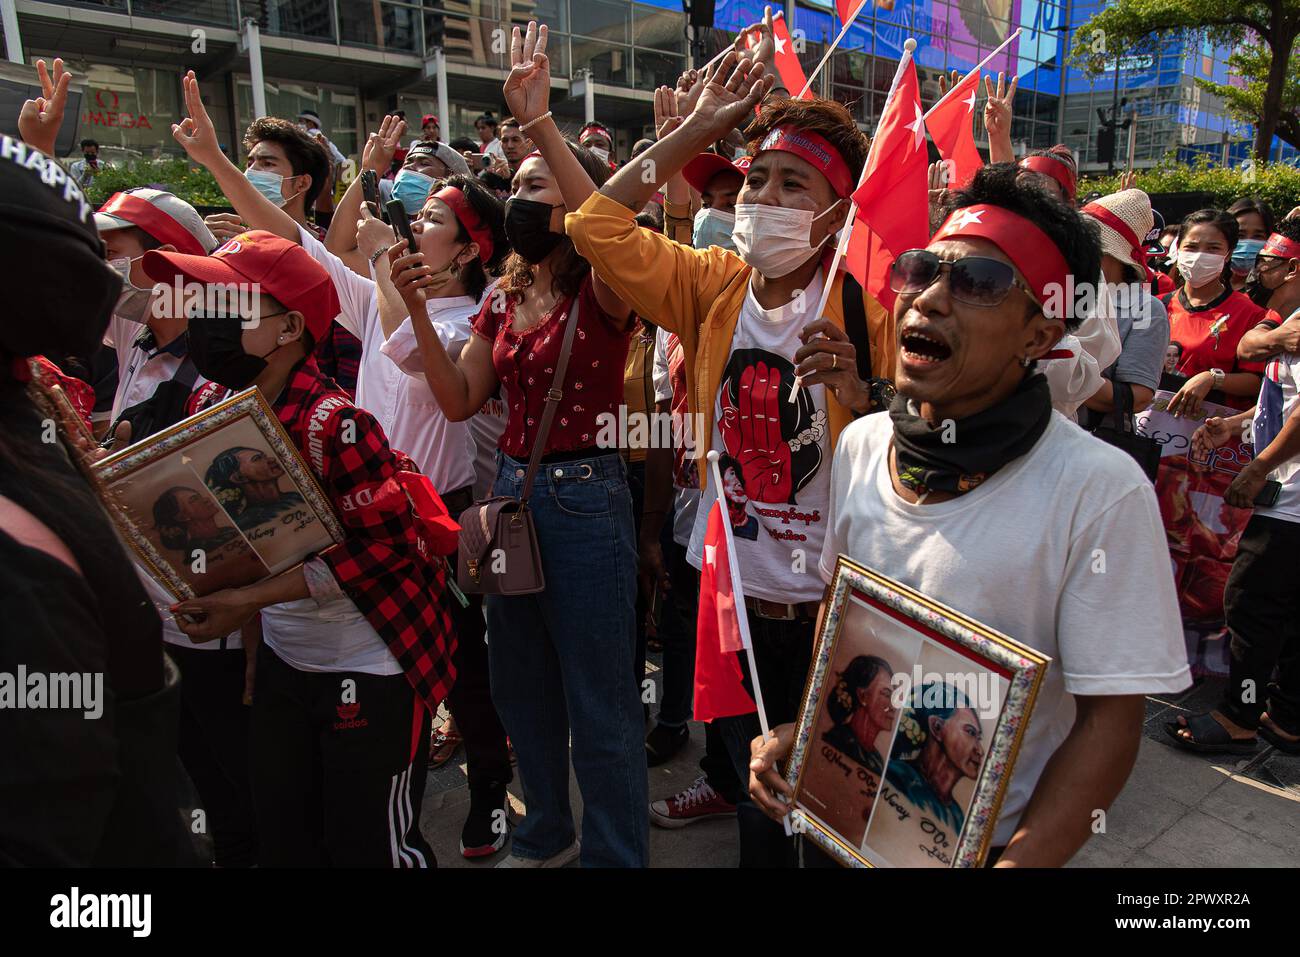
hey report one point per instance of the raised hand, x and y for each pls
(667, 116)
(373, 234)
(224, 225)
(414, 279)
(39, 119)
(731, 93)
(380, 147)
(997, 107)
(528, 87)
(764, 49)
(195, 133)
(1128, 179)
(947, 81)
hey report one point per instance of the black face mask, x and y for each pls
(217, 348)
(528, 227)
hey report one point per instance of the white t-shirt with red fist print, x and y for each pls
(776, 455)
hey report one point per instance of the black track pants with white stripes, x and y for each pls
(339, 763)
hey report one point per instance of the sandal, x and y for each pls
(1285, 745)
(1208, 736)
(446, 742)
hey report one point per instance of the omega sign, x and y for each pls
(108, 114)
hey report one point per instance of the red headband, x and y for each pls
(1027, 246)
(1278, 245)
(814, 148)
(144, 214)
(1104, 215)
(1054, 168)
(466, 215)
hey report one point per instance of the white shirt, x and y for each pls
(332, 636)
(1282, 373)
(493, 149)
(1062, 549)
(141, 369)
(779, 533)
(404, 407)
(1095, 345)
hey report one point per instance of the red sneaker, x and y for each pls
(699, 802)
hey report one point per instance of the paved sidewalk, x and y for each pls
(1178, 809)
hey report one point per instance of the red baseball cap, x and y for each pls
(427, 118)
(278, 267)
(703, 168)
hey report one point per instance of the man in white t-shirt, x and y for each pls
(1262, 597)
(1019, 520)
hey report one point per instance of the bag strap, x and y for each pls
(553, 397)
(855, 323)
(1122, 394)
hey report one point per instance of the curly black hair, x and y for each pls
(1073, 234)
(1290, 228)
(305, 155)
(491, 212)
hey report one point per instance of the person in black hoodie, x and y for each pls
(96, 784)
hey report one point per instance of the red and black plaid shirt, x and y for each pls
(378, 564)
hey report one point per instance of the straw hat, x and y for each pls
(1133, 207)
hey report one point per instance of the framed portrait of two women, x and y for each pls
(910, 727)
(219, 500)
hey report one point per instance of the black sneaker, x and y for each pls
(663, 743)
(488, 824)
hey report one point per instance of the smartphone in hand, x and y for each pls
(1268, 495)
(401, 223)
(370, 193)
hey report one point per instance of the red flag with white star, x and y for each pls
(893, 200)
(950, 124)
(719, 683)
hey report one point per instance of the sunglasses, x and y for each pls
(974, 280)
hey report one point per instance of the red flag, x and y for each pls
(893, 200)
(719, 683)
(849, 9)
(950, 125)
(788, 68)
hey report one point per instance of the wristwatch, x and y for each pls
(1218, 375)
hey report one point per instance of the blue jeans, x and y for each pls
(561, 662)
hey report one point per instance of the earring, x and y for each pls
(1025, 362)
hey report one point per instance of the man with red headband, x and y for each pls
(975, 493)
(1055, 170)
(774, 383)
(1273, 283)
(598, 138)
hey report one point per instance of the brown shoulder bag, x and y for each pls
(498, 552)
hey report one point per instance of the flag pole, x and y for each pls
(847, 229)
(738, 593)
(978, 67)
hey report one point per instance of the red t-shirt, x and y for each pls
(1207, 336)
(525, 364)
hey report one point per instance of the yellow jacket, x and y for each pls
(697, 294)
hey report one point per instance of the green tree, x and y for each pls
(1246, 104)
(1271, 26)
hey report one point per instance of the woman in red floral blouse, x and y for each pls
(561, 660)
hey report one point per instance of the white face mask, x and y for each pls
(774, 240)
(133, 301)
(1200, 269)
(603, 154)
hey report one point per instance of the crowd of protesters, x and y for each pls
(960, 442)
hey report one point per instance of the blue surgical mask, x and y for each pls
(270, 185)
(713, 228)
(412, 189)
(1245, 253)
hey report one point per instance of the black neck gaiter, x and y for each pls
(960, 455)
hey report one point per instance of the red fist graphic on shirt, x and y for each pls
(751, 431)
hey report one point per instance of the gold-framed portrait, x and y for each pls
(909, 728)
(219, 500)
